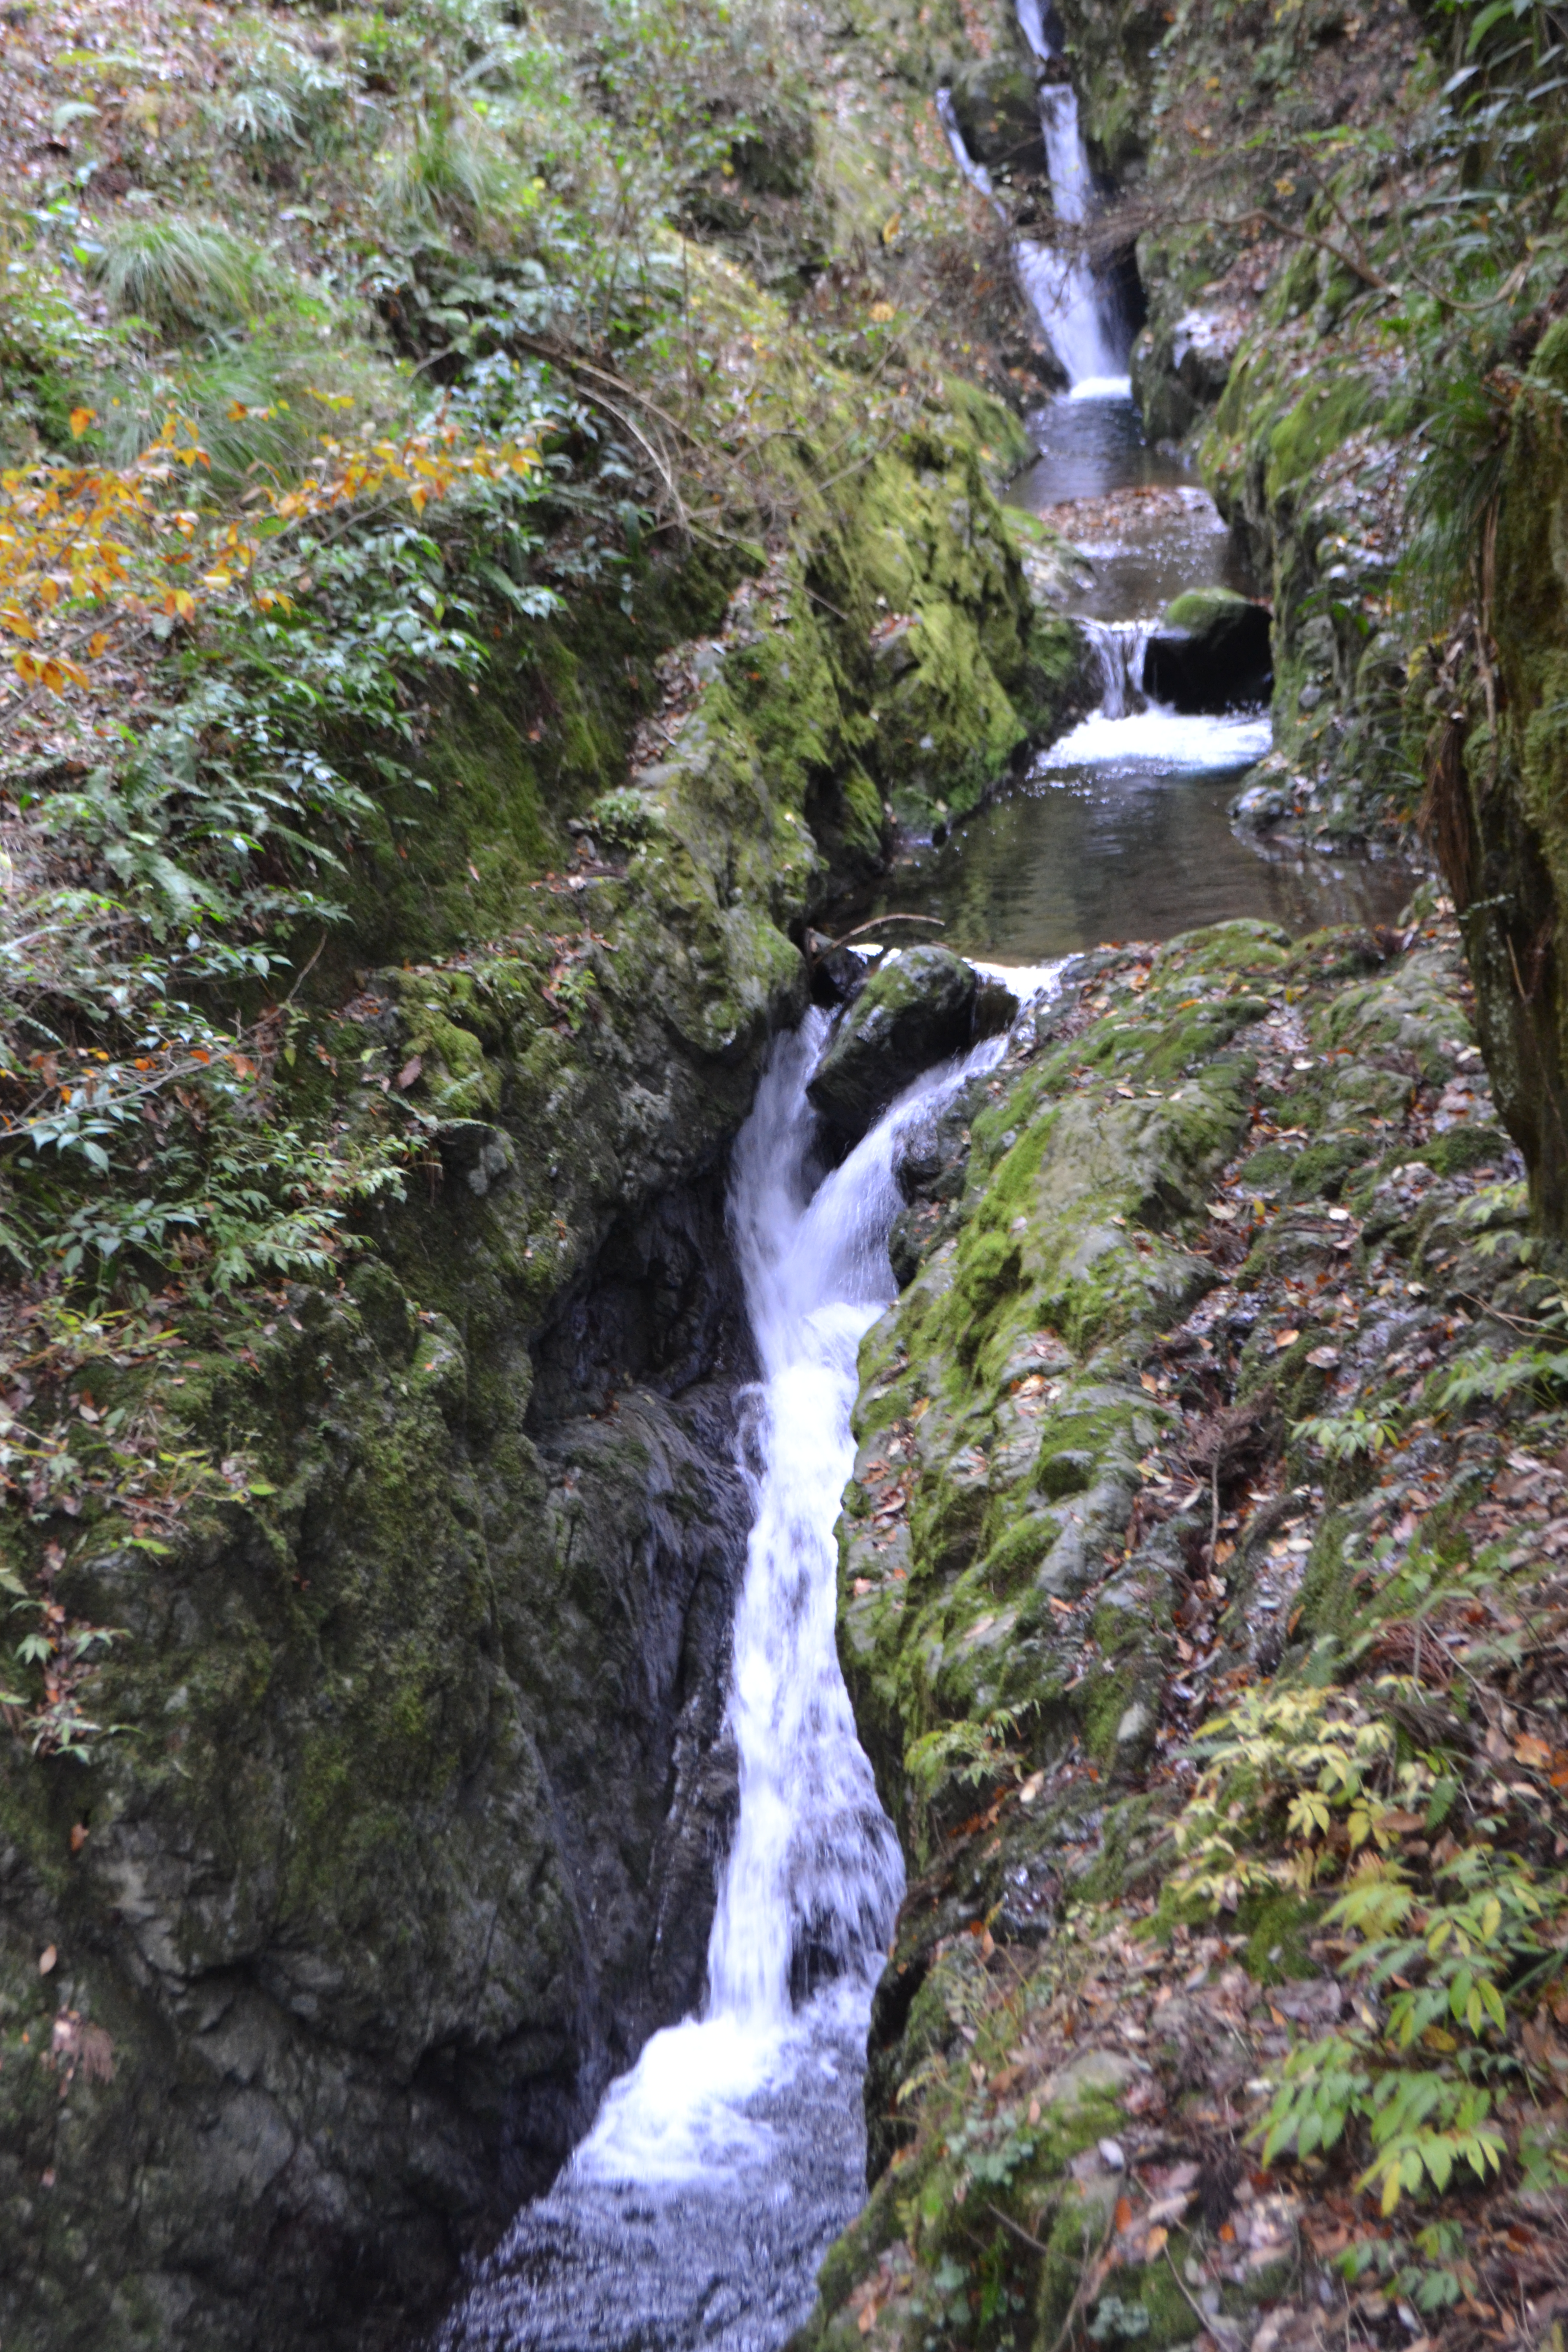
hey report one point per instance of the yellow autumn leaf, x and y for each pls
(83, 420)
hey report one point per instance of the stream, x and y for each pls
(694, 2216)
(1120, 829)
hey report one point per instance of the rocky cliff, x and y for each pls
(368, 1779)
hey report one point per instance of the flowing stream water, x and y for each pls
(722, 2166)
(1079, 314)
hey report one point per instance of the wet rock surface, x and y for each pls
(1212, 654)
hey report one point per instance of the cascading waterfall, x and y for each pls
(1075, 310)
(1072, 306)
(1119, 649)
(975, 174)
(720, 2168)
(1129, 728)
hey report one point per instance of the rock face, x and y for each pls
(1181, 366)
(917, 1010)
(1495, 757)
(998, 112)
(1213, 652)
(425, 1848)
(407, 1839)
(1185, 1214)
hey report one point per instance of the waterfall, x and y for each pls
(1072, 306)
(1119, 649)
(1075, 310)
(975, 174)
(720, 2168)
(814, 1873)
(1131, 732)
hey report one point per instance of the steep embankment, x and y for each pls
(1199, 1602)
(395, 926)
(1199, 1587)
(405, 1835)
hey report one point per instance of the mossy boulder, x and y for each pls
(1213, 652)
(916, 1010)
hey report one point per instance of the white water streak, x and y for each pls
(1075, 310)
(814, 1878)
(975, 174)
(1121, 648)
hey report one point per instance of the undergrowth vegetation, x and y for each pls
(342, 354)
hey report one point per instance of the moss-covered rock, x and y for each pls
(1497, 764)
(1180, 1221)
(1212, 654)
(916, 1009)
(405, 1838)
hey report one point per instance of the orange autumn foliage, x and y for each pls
(84, 547)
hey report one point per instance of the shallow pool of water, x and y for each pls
(1128, 851)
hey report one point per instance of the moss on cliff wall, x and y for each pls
(1222, 1201)
(1487, 719)
(404, 1839)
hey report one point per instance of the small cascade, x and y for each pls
(975, 174)
(1121, 648)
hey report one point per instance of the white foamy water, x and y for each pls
(1121, 648)
(975, 174)
(1132, 730)
(1158, 738)
(719, 2170)
(813, 1876)
(1077, 314)
(1027, 980)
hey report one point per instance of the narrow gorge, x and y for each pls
(784, 1422)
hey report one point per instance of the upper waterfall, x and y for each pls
(1076, 313)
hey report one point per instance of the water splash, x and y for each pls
(1132, 730)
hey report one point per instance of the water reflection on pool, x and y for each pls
(1132, 850)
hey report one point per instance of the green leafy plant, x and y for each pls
(971, 1752)
(1349, 1436)
(1535, 1371)
(1302, 1758)
(1403, 2074)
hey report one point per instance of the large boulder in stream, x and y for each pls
(917, 1010)
(1213, 652)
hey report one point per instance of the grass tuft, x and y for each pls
(181, 277)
